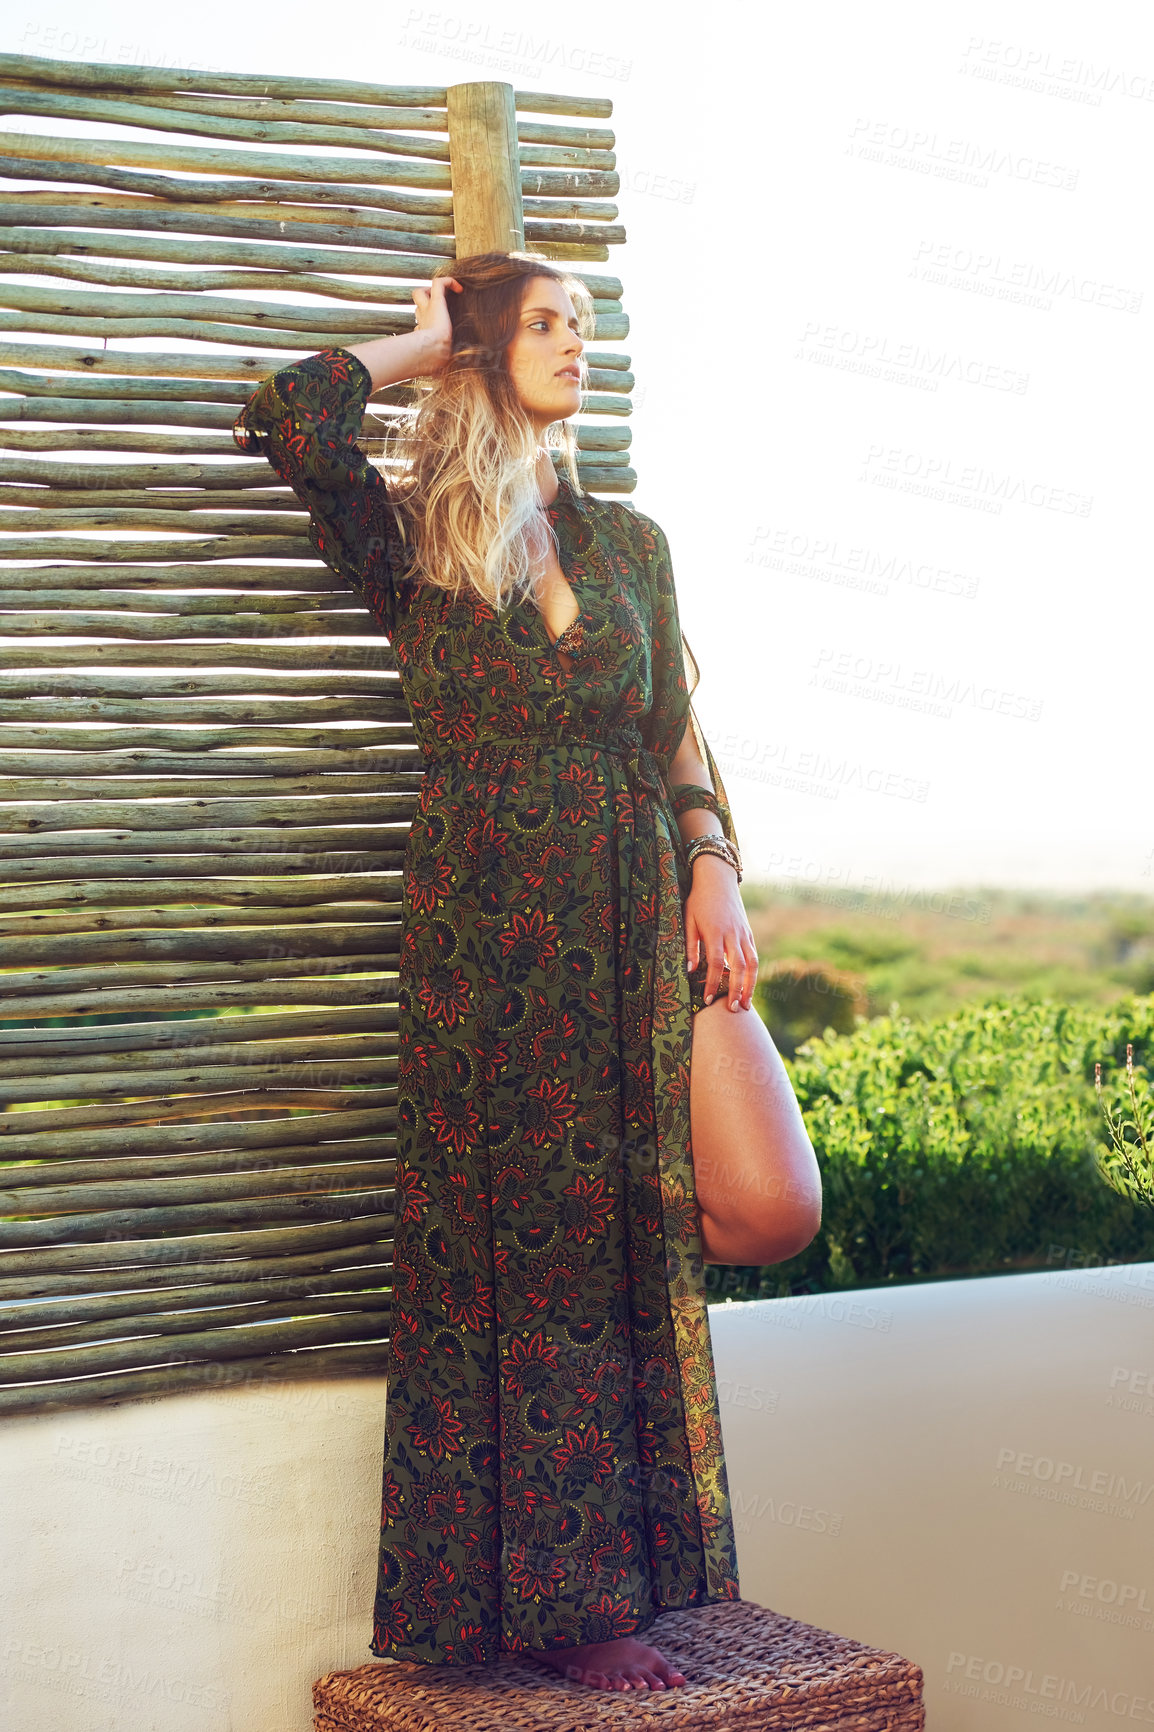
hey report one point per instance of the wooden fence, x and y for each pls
(208, 771)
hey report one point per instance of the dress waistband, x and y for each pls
(625, 742)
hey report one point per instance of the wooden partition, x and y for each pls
(208, 771)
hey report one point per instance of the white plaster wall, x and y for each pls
(961, 1471)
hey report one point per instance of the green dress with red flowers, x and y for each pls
(554, 1471)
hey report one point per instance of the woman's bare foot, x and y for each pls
(626, 1664)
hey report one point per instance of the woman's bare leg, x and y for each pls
(759, 1193)
(758, 1184)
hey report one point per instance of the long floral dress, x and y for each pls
(553, 1470)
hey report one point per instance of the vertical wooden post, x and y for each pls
(486, 169)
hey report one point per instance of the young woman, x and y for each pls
(554, 1475)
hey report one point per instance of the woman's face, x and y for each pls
(544, 359)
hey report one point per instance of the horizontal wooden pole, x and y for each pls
(266, 973)
(258, 1371)
(109, 412)
(218, 125)
(361, 1260)
(270, 256)
(341, 937)
(204, 330)
(91, 920)
(144, 1169)
(28, 857)
(93, 1196)
(199, 159)
(363, 115)
(244, 473)
(64, 865)
(188, 509)
(206, 1248)
(70, 1310)
(288, 209)
(209, 1344)
(296, 586)
(160, 629)
(404, 251)
(234, 895)
(119, 365)
(137, 1041)
(125, 1283)
(194, 310)
(89, 1144)
(112, 1073)
(80, 75)
(568, 183)
(83, 707)
(123, 552)
(224, 123)
(194, 786)
(270, 522)
(57, 774)
(285, 838)
(393, 741)
(203, 194)
(86, 439)
(106, 273)
(66, 1336)
(140, 912)
(320, 669)
(43, 1124)
(216, 613)
(414, 118)
(74, 75)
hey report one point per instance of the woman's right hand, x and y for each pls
(417, 353)
(433, 321)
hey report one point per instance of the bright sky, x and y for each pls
(888, 275)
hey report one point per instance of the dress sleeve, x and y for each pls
(671, 710)
(305, 420)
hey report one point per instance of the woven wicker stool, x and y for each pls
(749, 1670)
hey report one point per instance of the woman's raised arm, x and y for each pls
(417, 353)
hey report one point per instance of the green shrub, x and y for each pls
(800, 998)
(963, 1145)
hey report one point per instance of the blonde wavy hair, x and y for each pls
(462, 466)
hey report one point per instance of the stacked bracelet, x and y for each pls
(713, 845)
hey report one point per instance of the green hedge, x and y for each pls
(963, 1145)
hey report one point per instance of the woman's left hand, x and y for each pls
(716, 927)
